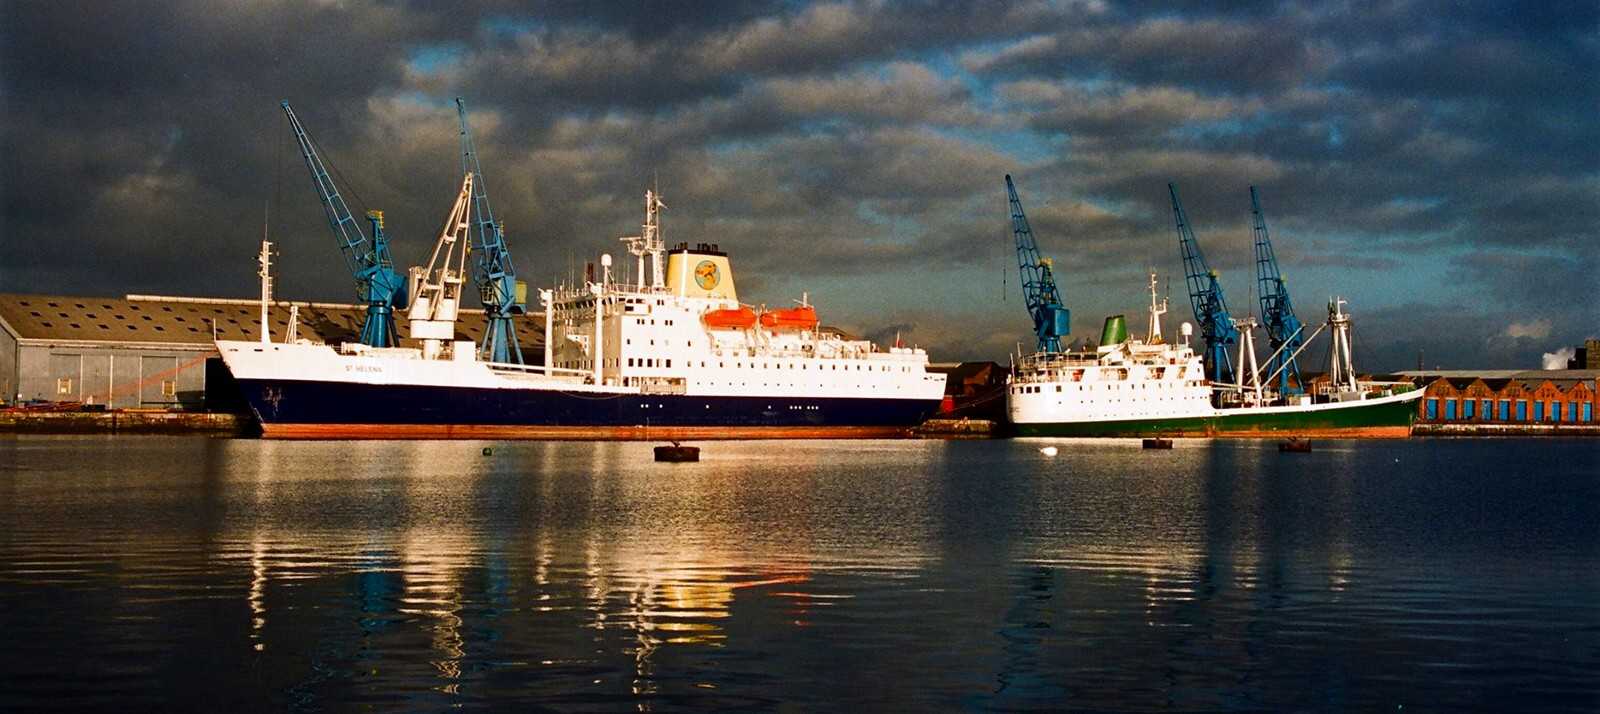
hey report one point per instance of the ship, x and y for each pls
(1151, 387)
(670, 354)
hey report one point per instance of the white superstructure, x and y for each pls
(1123, 381)
(674, 347)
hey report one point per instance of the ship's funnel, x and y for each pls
(701, 271)
(1115, 332)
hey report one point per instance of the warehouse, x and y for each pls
(1509, 400)
(145, 351)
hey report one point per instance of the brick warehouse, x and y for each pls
(1508, 401)
(144, 351)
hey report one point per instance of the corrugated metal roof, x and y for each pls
(1523, 374)
(182, 320)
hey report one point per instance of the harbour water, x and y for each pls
(242, 575)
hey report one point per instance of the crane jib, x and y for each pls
(1051, 320)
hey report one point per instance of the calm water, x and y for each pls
(1432, 575)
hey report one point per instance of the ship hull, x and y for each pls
(1384, 417)
(341, 410)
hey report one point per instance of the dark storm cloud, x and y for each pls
(830, 141)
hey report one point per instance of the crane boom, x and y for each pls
(495, 275)
(1277, 313)
(1051, 320)
(1205, 296)
(377, 284)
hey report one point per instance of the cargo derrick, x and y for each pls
(1284, 329)
(1051, 320)
(1205, 297)
(378, 286)
(503, 297)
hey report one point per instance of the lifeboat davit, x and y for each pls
(790, 318)
(742, 318)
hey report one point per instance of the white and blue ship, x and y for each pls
(671, 354)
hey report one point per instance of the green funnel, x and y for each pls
(1115, 331)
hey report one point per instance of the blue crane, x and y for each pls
(502, 296)
(1205, 296)
(377, 284)
(1283, 328)
(1051, 320)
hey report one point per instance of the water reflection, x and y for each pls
(424, 575)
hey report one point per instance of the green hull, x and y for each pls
(1388, 417)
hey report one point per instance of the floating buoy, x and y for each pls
(1048, 451)
(1158, 443)
(677, 454)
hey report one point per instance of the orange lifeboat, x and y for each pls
(790, 318)
(742, 318)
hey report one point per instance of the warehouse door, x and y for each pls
(158, 380)
(97, 379)
(65, 379)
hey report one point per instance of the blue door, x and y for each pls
(1522, 410)
(1433, 409)
(1504, 410)
(1466, 409)
(1484, 412)
(1588, 412)
(1449, 409)
(1538, 410)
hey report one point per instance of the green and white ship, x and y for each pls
(1151, 387)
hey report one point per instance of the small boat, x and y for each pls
(677, 454)
(1048, 451)
(1158, 443)
(803, 317)
(740, 318)
(1295, 444)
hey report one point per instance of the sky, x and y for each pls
(1435, 164)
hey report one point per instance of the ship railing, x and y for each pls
(1052, 360)
(536, 369)
(671, 385)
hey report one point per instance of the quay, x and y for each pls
(125, 421)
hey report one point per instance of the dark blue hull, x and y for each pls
(305, 409)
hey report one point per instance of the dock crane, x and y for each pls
(1205, 296)
(1051, 320)
(1284, 330)
(377, 284)
(502, 296)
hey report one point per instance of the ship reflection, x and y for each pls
(470, 553)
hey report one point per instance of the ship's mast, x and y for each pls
(265, 261)
(1341, 368)
(436, 290)
(649, 242)
(1153, 337)
(1247, 359)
